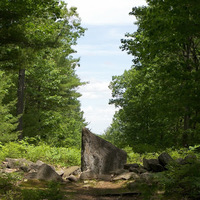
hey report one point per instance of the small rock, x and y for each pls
(25, 168)
(138, 170)
(36, 165)
(134, 170)
(7, 170)
(126, 176)
(17, 163)
(60, 172)
(146, 176)
(70, 170)
(128, 166)
(72, 178)
(31, 176)
(164, 159)
(146, 164)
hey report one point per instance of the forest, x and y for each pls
(157, 99)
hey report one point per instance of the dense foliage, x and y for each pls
(62, 156)
(158, 98)
(38, 81)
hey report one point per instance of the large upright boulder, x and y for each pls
(99, 156)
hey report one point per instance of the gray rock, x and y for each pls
(132, 169)
(60, 172)
(164, 159)
(20, 163)
(37, 165)
(70, 171)
(119, 171)
(25, 168)
(31, 176)
(104, 177)
(146, 164)
(139, 170)
(153, 165)
(46, 173)
(72, 178)
(126, 176)
(146, 176)
(100, 156)
(128, 166)
(88, 175)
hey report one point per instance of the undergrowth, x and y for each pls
(10, 191)
(63, 156)
(133, 157)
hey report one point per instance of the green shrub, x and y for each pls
(182, 180)
(54, 155)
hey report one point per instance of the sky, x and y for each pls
(107, 22)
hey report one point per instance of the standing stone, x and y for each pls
(100, 156)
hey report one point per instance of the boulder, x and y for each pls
(164, 159)
(70, 171)
(152, 165)
(46, 173)
(20, 163)
(100, 156)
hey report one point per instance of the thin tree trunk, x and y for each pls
(20, 101)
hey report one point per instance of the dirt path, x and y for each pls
(99, 190)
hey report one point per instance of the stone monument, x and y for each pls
(99, 156)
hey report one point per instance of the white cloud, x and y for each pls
(95, 90)
(92, 50)
(105, 11)
(99, 118)
(94, 101)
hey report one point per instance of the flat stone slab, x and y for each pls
(99, 156)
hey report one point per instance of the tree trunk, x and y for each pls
(20, 101)
(186, 127)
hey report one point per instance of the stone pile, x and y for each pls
(39, 170)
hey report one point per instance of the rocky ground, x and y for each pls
(120, 184)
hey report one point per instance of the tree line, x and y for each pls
(158, 99)
(38, 80)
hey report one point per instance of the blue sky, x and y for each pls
(107, 22)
